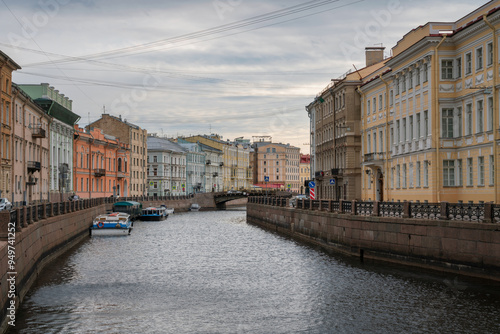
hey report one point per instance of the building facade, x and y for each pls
(305, 172)
(213, 168)
(7, 66)
(430, 118)
(30, 150)
(63, 120)
(100, 164)
(236, 169)
(166, 170)
(195, 167)
(277, 163)
(136, 138)
(335, 117)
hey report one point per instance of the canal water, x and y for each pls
(211, 272)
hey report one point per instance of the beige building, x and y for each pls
(336, 133)
(30, 149)
(7, 66)
(430, 116)
(236, 169)
(278, 162)
(136, 138)
(305, 172)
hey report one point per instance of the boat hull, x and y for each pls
(153, 218)
(110, 231)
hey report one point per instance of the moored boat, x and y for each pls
(195, 207)
(167, 210)
(115, 223)
(131, 207)
(154, 213)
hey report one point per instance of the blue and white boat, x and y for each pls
(115, 223)
(154, 213)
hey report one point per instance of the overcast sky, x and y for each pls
(232, 67)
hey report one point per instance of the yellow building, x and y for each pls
(7, 66)
(305, 171)
(429, 118)
(236, 168)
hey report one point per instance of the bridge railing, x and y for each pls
(476, 212)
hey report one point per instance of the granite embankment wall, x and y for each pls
(467, 248)
(41, 233)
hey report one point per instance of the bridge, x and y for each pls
(221, 199)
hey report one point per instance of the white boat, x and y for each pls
(115, 223)
(154, 213)
(167, 210)
(195, 207)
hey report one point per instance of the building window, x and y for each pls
(468, 63)
(368, 107)
(374, 105)
(468, 119)
(380, 102)
(492, 170)
(479, 59)
(470, 172)
(404, 175)
(448, 173)
(381, 141)
(392, 178)
(480, 167)
(418, 173)
(368, 143)
(447, 123)
(426, 123)
(391, 98)
(489, 60)
(396, 86)
(418, 125)
(426, 73)
(417, 76)
(489, 120)
(458, 174)
(410, 176)
(446, 69)
(426, 173)
(480, 118)
(458, 67)
(410, 80)
(398, 176)
(458, 123)
(411, 127)
(404, 129)
(398, 132)
(403, 83)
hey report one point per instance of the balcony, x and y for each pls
(374, 159)
(38, 132)
(34, 166)
(208, 162)
(120, 175)
(99, 172)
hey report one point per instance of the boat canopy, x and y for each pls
(127, 203)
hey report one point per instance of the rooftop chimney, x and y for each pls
(374, 54)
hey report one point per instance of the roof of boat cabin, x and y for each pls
(127, 203)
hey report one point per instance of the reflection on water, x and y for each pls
(211, 272)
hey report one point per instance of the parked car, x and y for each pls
(74, 198)
(5, 204)
(293, 201)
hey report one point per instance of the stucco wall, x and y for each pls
(466, 248)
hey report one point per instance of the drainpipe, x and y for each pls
(436, 118)
(387, 138)
(495, 107)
